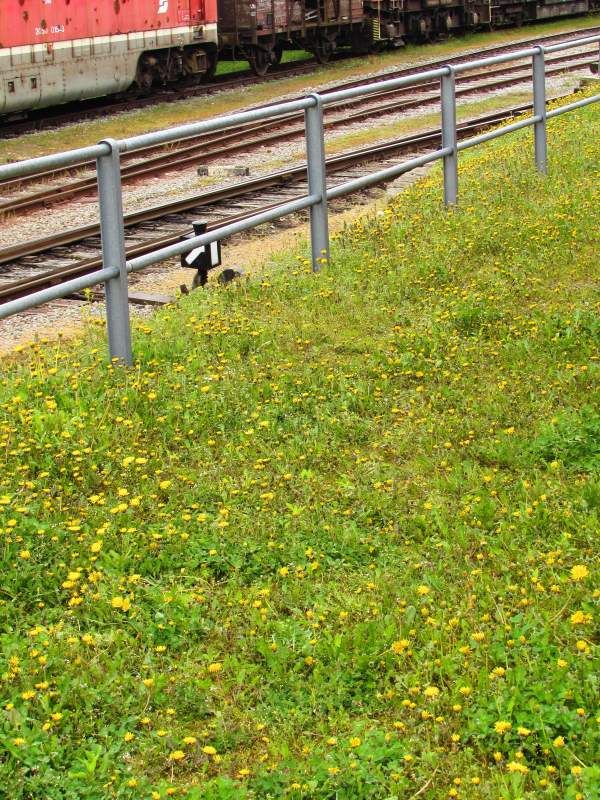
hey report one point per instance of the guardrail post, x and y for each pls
(448, 101)
(539, 110)
(317, 182)
(110, 199)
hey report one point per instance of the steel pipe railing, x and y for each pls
(110, 197)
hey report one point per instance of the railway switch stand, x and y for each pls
(203, 258)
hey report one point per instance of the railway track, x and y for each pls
(77, 251)
(153, 160)
(95, 108)
(99, 107)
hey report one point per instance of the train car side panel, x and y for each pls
(55, 51)
(27, 22)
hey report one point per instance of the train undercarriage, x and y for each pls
(324, 28)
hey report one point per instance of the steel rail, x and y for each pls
(231, 142)
(58, 116)
(73, 235)
(406, 71)
(101, 106)
(285, 177)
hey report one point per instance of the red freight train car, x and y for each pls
(54, 51)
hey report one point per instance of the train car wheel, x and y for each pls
(145, 73)
(276, 54)
(260, 61)
(324, 50)
(378, 46)
(212, 67)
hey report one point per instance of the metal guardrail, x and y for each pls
(107, 156)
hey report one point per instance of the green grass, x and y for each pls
(288, 57)
(334, 535)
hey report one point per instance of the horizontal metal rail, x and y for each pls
(44, 279)
(107, 154)
(495, 134)
(186, 245)
(556, 112)
(57, 292)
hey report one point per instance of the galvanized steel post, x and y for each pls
(317, 182)
(448, 103)
(110, 199)
(539, 110)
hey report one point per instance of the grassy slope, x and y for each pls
(335, 529)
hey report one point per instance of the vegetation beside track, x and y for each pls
(333, 535)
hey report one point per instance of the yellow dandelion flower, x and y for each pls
(502, 726)
(516, 766)
(579, 617)
(579, 572)
(176, 755)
